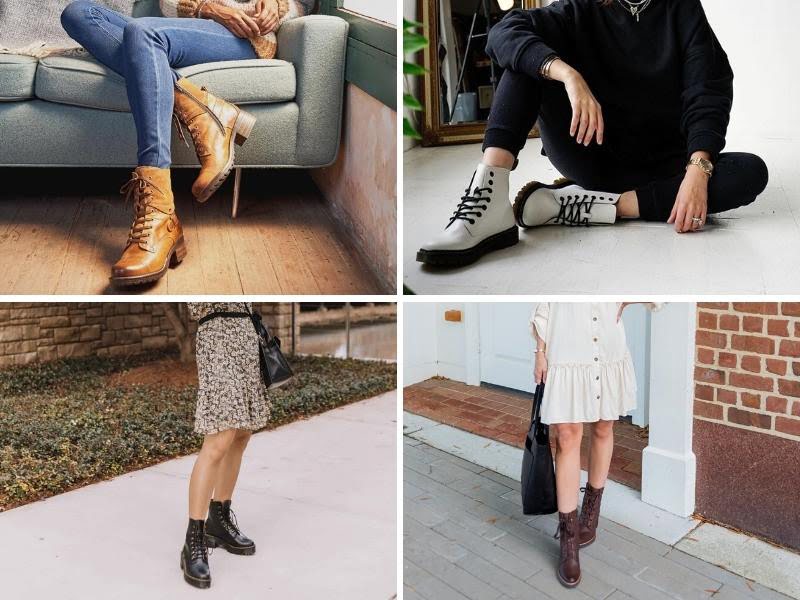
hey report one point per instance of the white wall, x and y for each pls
(419, 342)
(761, 39)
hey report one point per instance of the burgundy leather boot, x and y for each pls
(569, 566)
(590, 514)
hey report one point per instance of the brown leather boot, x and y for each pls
(215, 126)
(569, 566)
(155, 241)
(590, 515)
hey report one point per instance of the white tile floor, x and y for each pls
(752, 250)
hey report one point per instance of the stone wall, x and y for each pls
(42, 331)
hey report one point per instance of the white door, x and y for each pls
(506, 348)
(506, 345)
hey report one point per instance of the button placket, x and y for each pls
(596, 352)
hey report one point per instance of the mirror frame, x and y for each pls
(434, 132)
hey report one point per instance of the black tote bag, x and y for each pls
(538, 473)
(275, 368)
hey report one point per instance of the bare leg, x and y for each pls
(498, 157)
(229, 467)
(601, 449)
(205, 470)
(568, 465)
(628, 206)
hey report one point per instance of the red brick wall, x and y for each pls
(747, 370)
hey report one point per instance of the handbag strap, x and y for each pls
(254, 316)
(536, 409)
(224, 314)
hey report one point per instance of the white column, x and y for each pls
(668, 463)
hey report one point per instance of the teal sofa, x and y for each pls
(61, 111)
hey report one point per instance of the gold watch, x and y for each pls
(705, 165)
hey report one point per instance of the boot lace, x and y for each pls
(589, 506)
(197, 544)
(575, 210)
(140, 192)
(229, 521)
(471, 204)
(566, 531)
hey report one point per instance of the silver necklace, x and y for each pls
(635, 8)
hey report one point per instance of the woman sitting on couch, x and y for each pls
(146, 52)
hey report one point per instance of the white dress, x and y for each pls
(590, 373)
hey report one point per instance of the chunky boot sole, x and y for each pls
(518, 205)
(213, 542)
(194, 581)
(241, 132)
(175, 258)
(566, 583)
(467, 256)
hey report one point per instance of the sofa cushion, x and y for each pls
(17, 74)
(85, 82)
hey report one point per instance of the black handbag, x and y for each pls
(275, 368)
(538, 473)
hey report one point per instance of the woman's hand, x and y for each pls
(587, 116)
(233, 19)
(692, 202)
(266, 16)
(540, 369)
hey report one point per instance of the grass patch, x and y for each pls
(68, 423)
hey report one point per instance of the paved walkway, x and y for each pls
(465, 537)
(504, 415)
(318, 496)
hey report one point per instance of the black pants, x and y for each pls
(520, 100)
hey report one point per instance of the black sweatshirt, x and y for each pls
(664, 83)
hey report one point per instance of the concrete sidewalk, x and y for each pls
(465, 537)
(318, 496)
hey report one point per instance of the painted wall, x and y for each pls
(420, 346)
(761, 41)
(362, 185)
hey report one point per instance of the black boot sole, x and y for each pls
(461, 258)
(194, 581)
(213, 542)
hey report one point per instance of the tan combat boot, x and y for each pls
(155, 241)
(215, 126)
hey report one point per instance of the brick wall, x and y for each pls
(747, 417)
(747, 372)
(42, 331)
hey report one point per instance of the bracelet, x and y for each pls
(706, 166)
(200, 6)
(538, 350)
(544, 70)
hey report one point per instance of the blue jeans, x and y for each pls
(145, 52)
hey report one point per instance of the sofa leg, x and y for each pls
(237, 183)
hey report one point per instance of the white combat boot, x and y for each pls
(563, 203)
(482, 222)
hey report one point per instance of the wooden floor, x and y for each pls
(62, 229)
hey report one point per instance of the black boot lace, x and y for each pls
(197, 545)
(472, 203)
(228, 520)
(575, 210)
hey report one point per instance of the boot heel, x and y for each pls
(244, 127)
(179, 254)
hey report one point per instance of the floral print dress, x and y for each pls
(231, 393)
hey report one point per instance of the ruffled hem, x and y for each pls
(570, 395)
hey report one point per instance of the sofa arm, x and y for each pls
(316, 45)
